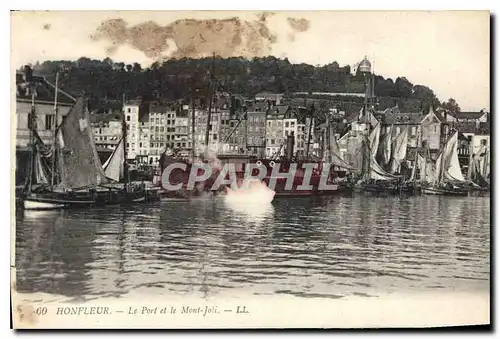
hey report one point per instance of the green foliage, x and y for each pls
(176, 79)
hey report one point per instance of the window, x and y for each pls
(129, 110)
(128, 116)
(49, 121)
(292, 124)
(272, 141)
(287, 124)
(215, 136)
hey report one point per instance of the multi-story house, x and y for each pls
(395, 120)
(236, 133)
(274, 98)
(133, 111)
(107, 128)
(44, 94)
(256, 128)
(434, 130)
(476, 117)
(305, 134)
(43, 91)
(143, 148)
(182, 136)
(201, 118)
(275, 131)
(161, 131)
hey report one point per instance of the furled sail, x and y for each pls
(477, 168)
(427, 169)
(385, 147)
(41, 168)
(79, 163)
(399, 146)
(113, 167)
(354, 155)
(374, 139)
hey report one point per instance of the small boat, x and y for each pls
(444, 176)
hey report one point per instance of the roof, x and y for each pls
(161, 108)
(279, 110)
(437, 115)
(466, 127)
(469, 115)
(390, 118)
(268, 94)
(107, 117)
(259, 107)
(45, 91)
(135, 102)
(484, 128)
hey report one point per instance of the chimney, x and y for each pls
(27, 74)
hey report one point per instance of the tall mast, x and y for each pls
(193, 151)
(328, 141)
(471, 159)
(126, 173)
(210, 98)
(32, 137)
(309, 131)
(55, 133)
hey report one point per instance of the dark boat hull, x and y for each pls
(444, 191)
(53, 200)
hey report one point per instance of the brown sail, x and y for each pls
(79, 164)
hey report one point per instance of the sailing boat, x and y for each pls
(77, 177)
(478, 171)
(363, 151)
(444, 176)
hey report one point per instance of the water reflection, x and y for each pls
(324, 247)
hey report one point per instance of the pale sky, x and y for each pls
(447, 51)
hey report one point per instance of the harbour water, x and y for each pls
(306, 248)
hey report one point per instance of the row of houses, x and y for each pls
(424, 130)
(257, 128)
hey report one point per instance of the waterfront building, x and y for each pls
(44, 94)
(393, 118)
(107, 128)
(134, 112)
(435, 129)
(476, 117)
(256, 128)
(144, 137)
(274, 98)
(275, 130)
(182, 130)
(28, 87)
(161, 131)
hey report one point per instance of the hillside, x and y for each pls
(107, 81)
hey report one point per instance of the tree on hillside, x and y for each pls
(174, 79)
(451, 107)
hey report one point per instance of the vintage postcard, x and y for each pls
(226, 170)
